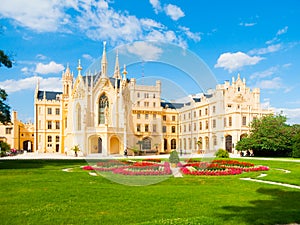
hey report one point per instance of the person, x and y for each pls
(125, 152)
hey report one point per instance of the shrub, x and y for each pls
(4, 148)
(221, 153)
(174, 158)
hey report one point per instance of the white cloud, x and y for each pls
(51, 67)
(156, 5)
(269, 49)
(292, 114)
(87, 57)
(194, 36)
(234, 61)
(41, 56)
(266, 73)
(145, 50)
(247, 24)
(96, 19)
(29, 83)
(282, 31)
(274, 83)
(174, 12)
(37, 15)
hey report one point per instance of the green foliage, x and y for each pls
(221, 153)
(76, 148)
(296, 146)
(269, 136)
(4, 148)
(4, 108)
(174, 158)
(5, 60)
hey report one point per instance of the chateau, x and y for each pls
(104, 114)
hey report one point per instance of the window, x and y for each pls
(40, 124)
(164, 129)
(138, 94)
(138, 103)
(173, 144)
(154, 105)
(146, 128)
(189, 127)
(214, 140)
(230, 121)
(57, 111)
(214, 109)
(146, 95)
(200, 112)
(195, 126)
(49, 138)
(214, 123)
(190, 143)
(146, 104)
(49, 110)
(103, 109)
(229, 105)
(164, 118)
(146, 143)
(244, 121)
(138, 127)
(154, 127)
(200, 126)
(173, 129)
(57, 125)
(206, 111)
(206, 124)
(239, 89)
(66, 122)
(154, 95)
(189, 115)
(173, 118)
(49, 124)
(184, 116)
(57, 138)
(8, 130)
(184, 128)
(225, 122)
(154, 116)
(194, 114)
(138, 116)
(78, 115)
(146, 116)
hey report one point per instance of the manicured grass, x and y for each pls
(39, 192)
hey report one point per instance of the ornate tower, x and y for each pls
(67, 80)
(104, 62)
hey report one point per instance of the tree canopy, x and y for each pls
(270, 136)
(4, 108)
(5, 60)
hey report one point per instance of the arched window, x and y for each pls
(173, 144)
(78, 117)
(146, 143)
(103, 104)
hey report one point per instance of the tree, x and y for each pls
(4, 108)
(5, 60)
(269, 136)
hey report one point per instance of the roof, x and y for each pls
(50, 95)
(171, 105)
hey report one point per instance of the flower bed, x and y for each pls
(220, 168)
(143, 168)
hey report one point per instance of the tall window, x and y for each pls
(173, 144)
(57, 138)
(78, 117)
(8, 130)
(225, 122)
(138, 127)
(49, 110)
(173, 118)
(173, 129)
(244, 121)
(214, 123)
(103, 106)
(57, 111)
(57, 125)
(164, 129)
(49, 123)
(154, 127)
(230, 121)
(214, 140)
(146, 116)
(200, 126)
(138, 116)
(164, 118)
(206, 124)
(49, 138)
(146, 128)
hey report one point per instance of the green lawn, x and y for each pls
(39, 192)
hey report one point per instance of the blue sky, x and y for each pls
(258, 39)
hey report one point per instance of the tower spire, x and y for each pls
(117, 67)
(124, 73)
(79, 68)
(104, 61)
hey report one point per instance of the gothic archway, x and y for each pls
(114, 146)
